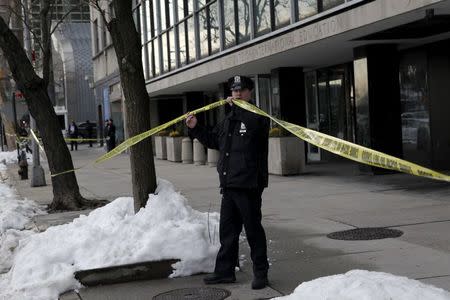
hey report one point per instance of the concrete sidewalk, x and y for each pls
(298, 213)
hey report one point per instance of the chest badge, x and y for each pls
(243, 129)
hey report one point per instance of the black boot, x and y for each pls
(215, 278)
(260, 282)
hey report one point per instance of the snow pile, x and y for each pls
(11, 157)
(365, 285)
(113, 235)
(14, 215)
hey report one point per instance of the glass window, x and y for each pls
(201, 3)
(172, 49)
(327, 4)
(156, 57)
(150, 25)
(282, 13)
(182, 43)
(415, 103)
(143, 24)
(180, 9)
(151, 63)
(262, 13)
(95, 31)
(214, 27)
(190, 6)
(155, 19)
(203, 32)
(136, 18)
(162, 7)
(307, 8)
(144, 61)
(191, 39)
(165, 53)
(244, 20)
(170, 12)
(229, 24)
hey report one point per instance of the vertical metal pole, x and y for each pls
(37, 172)
(2, 132)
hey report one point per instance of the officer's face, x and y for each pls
(244, 94)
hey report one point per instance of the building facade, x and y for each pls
(371, 72)
(72, 65)
(106, 79)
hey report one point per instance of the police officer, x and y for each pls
(242, 140)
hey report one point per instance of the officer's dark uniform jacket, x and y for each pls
(242, 139)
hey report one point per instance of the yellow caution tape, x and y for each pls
(36, 140)
(137, 138)
(349, 150)
(337, 146)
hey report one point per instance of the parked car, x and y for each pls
(82, 129)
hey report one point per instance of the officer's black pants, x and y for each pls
(241, 207)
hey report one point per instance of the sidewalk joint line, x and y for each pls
(341, 222)
(420, 223)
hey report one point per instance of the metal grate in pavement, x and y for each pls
(198, 293)
(363, 234)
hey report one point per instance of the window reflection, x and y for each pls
(229, 24)
(327, 4)
(182, 43)
(170, 12)
(307, 8)
(203, 32)
(191, 39)
(172, 59)
(143, 24)
(180, 5)
(190, 6)
(157, 57)
(156, 23)
(164, 54)
(201, 3)
(244, 20)
(150, 59)
(144, 63)
(414, 99)
(214, 27)
(262, 13)
(162, 7)
(151, 32)
(282, 13)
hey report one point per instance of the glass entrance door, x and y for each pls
(328, 101)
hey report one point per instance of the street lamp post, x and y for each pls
(37, 172)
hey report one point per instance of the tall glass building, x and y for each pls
(373, 72)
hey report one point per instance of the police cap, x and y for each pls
(240, 82)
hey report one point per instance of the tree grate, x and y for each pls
(364, 234)
(199, 293)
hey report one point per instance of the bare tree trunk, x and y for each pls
(10, 131)
(66, 194)
(127, 46)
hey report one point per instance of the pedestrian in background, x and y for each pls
(242, 140)
(73, 134)
(110, 135)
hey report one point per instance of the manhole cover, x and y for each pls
(365, 234)
(200, 293)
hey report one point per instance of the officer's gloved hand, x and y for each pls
(230, 100)
(191, 121)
